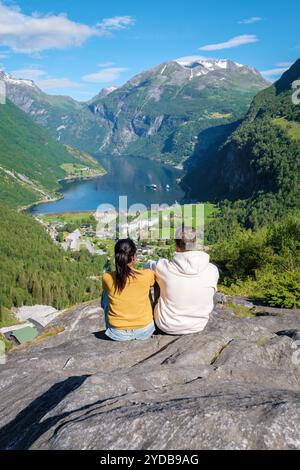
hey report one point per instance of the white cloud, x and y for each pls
(252, 20)
(192, 58)
(35, 33)
(3, 56)
(28, 74)
(105, 75)
(274, 72)
(115, 24)
(234, 42)
(57, 83)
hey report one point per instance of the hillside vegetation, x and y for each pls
(263, 264)
(255, 235)
(31, 161)
(260, 161)
(36, 271)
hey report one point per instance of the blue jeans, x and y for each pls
(116, 334)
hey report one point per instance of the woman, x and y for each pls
(125, 299)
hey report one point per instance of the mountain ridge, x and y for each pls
(261, 156)
(157, 113)
(160, 112)
(60, 115)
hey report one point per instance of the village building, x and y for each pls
(73, 241)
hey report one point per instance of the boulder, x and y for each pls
(236, 385)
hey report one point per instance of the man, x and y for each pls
(187, 287)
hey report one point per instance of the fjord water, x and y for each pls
(126, 176)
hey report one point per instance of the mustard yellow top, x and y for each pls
(130, 309)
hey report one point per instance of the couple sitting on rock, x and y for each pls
(187, 286)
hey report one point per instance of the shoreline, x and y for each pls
(68, 179)
(63, 182)
(58, 214)
(178, 166)
(59, 196)
(37, 203)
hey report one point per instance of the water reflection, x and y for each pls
(129, 176)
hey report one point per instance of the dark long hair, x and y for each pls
(125, 251)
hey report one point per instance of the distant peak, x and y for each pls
(107, 91)
(110, 89)
(8, 78)
(210, 64)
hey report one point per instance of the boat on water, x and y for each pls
(168, 187)
(153, 187)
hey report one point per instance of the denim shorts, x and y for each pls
(116, 334)
(142, 334)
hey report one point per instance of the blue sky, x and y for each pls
(77, 47)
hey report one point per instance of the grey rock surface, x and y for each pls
(236, 385)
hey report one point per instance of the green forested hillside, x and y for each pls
(35, 271)
(30, 159)
(260, 161)
(255, 234)
(263, 264)
(29, 149)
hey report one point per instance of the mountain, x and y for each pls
(261, 156)
(103, 94)
(157, 114)
(67, 120)
(31, 161)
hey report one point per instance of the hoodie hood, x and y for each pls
(190, 262)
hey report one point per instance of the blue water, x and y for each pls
(126, 176)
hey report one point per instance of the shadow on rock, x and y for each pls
(28, 426)
(101, 335)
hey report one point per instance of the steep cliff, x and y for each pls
(261, 156)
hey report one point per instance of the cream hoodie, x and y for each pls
(187, 287)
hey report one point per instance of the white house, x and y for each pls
(73, 241)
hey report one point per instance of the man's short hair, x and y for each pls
(186, 239)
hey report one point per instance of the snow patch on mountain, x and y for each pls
(209, 64)
(7, 78)
(163, 69)
(110, 89)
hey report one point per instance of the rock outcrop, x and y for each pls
(236, 385)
